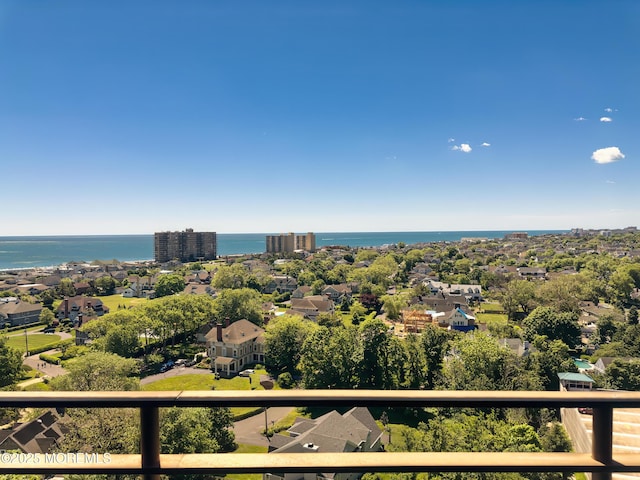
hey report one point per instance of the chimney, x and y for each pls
(66, 308)
(227, 322)
(219, 332)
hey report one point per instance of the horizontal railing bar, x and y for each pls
(272, 398)
(222, 463)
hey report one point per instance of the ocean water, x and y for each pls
(29, 252)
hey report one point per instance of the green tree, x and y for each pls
(317, 287)
(480, 363)
(547, 321)
(518, 296)
(562, 293)
(10, 364)
(105, 285)
(547, 359)
(393, 305)
(169, 284)
(383, 358)
(284, 338)
(331, 358)
(46, 316)
(66, 288)
(99, 371)
(123, 341)
(239, 303)
(231, 276)
(623, 375)
(100, 430)
(435, 344)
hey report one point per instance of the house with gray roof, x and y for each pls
(38, 436)
(353, 431)
(19, 313)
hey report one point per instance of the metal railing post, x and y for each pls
(150, 440)
(602, 439)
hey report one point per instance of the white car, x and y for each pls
(247, 373)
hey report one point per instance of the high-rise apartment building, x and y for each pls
(290, 242)
(187, 246)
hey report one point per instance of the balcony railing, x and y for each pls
(150, 463)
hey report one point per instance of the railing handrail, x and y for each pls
(151, 463)
(373, 398)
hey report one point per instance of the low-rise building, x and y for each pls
(19, 313)
(233, 348)
(355, 431)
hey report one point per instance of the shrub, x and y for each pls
(285, 380)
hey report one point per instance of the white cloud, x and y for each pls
(607, 155)
(451, 140)
(608, 109)
(610, 182)
(580, 119)
(606, 119)
(485, 144)
(463, 147)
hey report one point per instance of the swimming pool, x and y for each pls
(582, 364)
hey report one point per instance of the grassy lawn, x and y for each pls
(491, 318)
(247, 449)
(191, 381)
(35, 340)
(38, 387)
(112, 301)
(197, 381)
(491, 307)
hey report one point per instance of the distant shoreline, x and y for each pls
(29, 252)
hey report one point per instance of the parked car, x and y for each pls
(247, 373)
(585, 410)
(167, 366)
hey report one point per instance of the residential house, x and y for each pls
(503, 269)
(534, 273)
(337, 293)
(472, 293)
(83, 307)
(354, 431)
(603, 362)
(19, 313)
(39, 436)
(312, 306)
(422, 269)
(570, 381)
(31, 289)
(517, 345)
(235, 347)
(281, 284)
(199, 289)
(301, 291)
(458, 319)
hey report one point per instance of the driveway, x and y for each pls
(248, 431)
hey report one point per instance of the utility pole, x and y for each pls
(26, 343)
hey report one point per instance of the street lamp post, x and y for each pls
(26, 343)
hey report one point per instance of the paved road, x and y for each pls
(43, 367)
(249, 430)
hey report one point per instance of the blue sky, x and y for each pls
(294, 115)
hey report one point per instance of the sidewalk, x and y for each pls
(46, 368)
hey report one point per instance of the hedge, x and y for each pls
(49, 358)
(51, 346)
